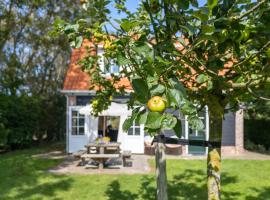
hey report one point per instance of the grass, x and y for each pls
(24, 177)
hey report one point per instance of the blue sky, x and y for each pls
(132, 6)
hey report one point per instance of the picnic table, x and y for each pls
(103, 152)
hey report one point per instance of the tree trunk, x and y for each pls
(161, 176)
(214, 158)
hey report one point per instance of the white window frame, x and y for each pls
(133, 127)
(77, 126)
(101, 62)
(206, 128)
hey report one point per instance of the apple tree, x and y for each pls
(189, 56)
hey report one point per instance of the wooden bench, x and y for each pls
(126, 156)
(78, 154)
(101, 158)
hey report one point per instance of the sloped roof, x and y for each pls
(76, 78)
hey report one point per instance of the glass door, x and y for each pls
(109, 126)
(198, 135)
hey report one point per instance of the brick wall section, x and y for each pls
(238, 127)
(239, 131)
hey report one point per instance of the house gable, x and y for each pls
(78, 80)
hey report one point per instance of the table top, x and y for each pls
(110, 144)
(101, 155)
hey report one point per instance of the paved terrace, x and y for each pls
(140, 163)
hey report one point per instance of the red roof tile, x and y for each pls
(76, 79)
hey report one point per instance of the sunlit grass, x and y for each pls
(25, 177)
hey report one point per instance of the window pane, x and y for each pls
(81, 122)
(192, 131)
(114, 69)
(130, 131)
(137, 131)
(74, 131)
(81, 116)
(81, 130)
(74, 121)
(74, 113)
(114, 121)
(201, 132)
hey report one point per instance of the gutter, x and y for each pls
(78, 92)
(83, 92)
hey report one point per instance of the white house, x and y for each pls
(83, 128)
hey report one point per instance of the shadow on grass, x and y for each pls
(114, 192)
(261, 194)
(24, 177)
(188, 185)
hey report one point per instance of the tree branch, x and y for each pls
(257, 96)
(252, 9)
(253, 55)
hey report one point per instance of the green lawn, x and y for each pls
(23, 177)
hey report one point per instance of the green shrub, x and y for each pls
(27, 120)
(257, 134)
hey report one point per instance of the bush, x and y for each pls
(249, 145)
(27, 120)
(257, 134)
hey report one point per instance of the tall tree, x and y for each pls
(215, 55)
(30, 60)
(32, 69)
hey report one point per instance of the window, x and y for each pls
(201, 132)
(134, 129)
(107, 67)
(77, 123)
(107, 123)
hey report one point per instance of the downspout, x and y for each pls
(67, 124)
(206, 127)
(186, 135)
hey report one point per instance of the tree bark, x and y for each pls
(161, 176)
(214, 158)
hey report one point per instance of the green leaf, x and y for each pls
(208, 29)
(122, 61)
(177, 85)
(143, 49)
(168, 121)
(153, 120)
(151, 132)
(151, 81)
(142, 117)
(71, 28)
(127, 124)
(141, 89)
(128, 25)
(157, 90)
(194, 3)
(196, 123)
(188, 108)
(202, 78)
(175, 97)
(183, 4)
(125, 26)
(129, 121)
(209, 85)
(78, 41)
(211, 4)
(178, 128)
(200, 15)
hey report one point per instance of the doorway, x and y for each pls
(108, 126)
